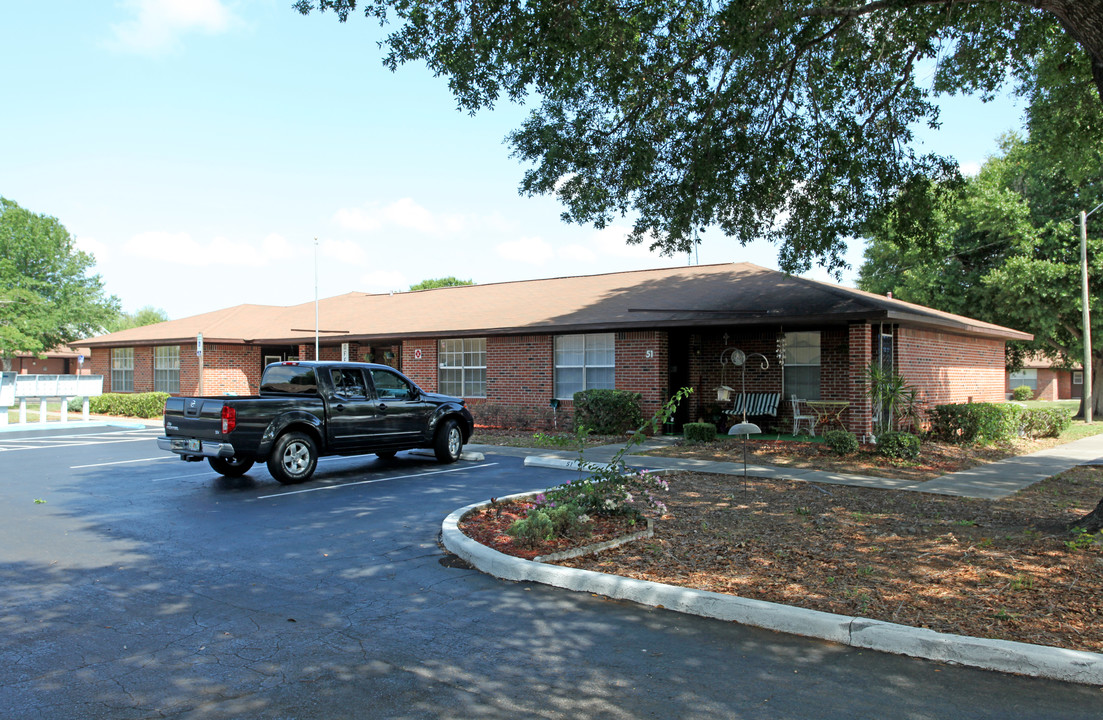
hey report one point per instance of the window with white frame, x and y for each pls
(122, 370)
(1077, 377)
(166, 369)
(584, 362)
(462, 367)
(802, 365)
(1027, 376)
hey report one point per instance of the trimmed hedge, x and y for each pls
(139, 405)
(607, 412)
(699, 432)
(991, 423)
(841, 441)
(898, 445)
(1022, 393)
(1038, 422)
(976, 423)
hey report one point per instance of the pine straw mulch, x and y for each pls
(1003, 569)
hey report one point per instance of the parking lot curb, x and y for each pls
(999, 655)
(72, 425)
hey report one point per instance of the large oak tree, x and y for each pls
(50, 297)
(782, 119)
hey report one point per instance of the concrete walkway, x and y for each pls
(991, 482)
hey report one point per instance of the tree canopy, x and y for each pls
(147, 315)
(789, 121)
(449, 281)
(1004, 245)
(51, 296)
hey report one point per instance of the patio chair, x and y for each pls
(798, 418)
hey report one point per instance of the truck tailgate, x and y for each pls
(194, 417)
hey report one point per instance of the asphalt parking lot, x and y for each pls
(133, 585)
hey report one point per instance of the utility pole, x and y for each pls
(1088, 400)
(316, 300)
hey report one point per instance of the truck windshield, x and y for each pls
(293, 379)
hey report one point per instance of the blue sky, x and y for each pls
(197, 148)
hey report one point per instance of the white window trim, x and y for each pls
(465, 380)
(122, 368)
(585, 368)
(166, 369)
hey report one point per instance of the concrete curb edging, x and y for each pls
(1000, 655)
(74, 425)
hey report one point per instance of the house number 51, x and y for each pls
(650, 354)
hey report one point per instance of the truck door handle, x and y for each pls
(382, 406)
(340, 406)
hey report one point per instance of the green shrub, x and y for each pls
(898, 445)
(699, 432)
(976, 423)
(139, 405)
(1022, 394)
(533, 529)
(841, 442)
(607, 412)
(1039, 422)
(548, 522)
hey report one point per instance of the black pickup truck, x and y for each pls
(309, 409)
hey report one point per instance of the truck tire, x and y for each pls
(230, 467)
(448, 443)
(293, 459)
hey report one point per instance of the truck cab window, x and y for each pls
(389, 386)
(348, 382)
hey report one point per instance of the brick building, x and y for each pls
(512, 348)
(1047, 379)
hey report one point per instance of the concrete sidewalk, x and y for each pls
(991, 482)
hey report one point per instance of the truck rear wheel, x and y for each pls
(293, 459)
(448, 444)
(230, 467)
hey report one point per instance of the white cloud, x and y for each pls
(531, 250)
(365, 221)
(344, 251)
(612, 241)
(182, 249)
(382, 281)
(403, 214)
(93, 247)
(157, 24)
(577, 253)
(969, 169)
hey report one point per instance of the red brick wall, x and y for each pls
(521, 373)
(859, 415)
(948, 368)
(1053, 384)
(642, 364)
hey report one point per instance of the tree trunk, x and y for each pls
(1092, 522)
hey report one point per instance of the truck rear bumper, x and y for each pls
(194, 447)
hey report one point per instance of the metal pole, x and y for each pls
(316, 357)
(1088, 400)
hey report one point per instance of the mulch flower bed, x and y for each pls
(488, 527)
(987, 568)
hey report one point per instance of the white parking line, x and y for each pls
(123, 462)
(60, 441)
(368, 482)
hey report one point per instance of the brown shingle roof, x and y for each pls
(702, 295)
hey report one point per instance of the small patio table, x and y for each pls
(828, 411)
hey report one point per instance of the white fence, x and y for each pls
(15, 387)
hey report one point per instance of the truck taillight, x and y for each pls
(229, 419)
